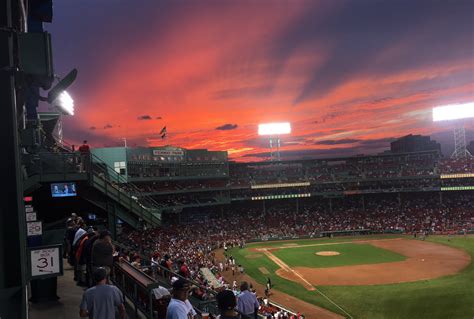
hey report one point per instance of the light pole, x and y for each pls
(273, 131)
(460, 113)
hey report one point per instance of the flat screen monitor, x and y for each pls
(63, 189)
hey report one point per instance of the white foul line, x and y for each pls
(280, 263)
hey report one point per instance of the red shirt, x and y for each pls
(84, 149)
(183, 271)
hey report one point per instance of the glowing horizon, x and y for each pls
(348, 82)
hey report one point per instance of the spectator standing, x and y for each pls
(84, 149)
(178, 308)
(226, 303)
(69, 238)
(102, 300)
(247, 303)
(166, 264)
(88, 256)
(81, 263)
(102, 252)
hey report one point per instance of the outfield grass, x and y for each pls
(350, 254)
(446, 297)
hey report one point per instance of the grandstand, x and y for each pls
(386, 235)
(203, 202)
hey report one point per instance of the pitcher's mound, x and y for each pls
(327, 253)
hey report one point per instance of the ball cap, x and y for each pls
(181, 284)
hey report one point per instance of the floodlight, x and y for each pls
(456, 112)
(64, 103)
(453, 112)
(274, 129)
(59, 98)
(62, 85)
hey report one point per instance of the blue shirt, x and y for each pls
(102, 301)
(247, 303)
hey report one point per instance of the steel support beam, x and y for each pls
(13, 281)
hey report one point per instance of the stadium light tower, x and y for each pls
(273, 131)
(458, 112)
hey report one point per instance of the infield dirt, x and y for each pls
(425, 260)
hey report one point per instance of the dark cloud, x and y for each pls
(359, 33)
(328, 117)
(92, 128)
(227, 127)
(336, 142)
(144, 117)
(360, 147)
(108, 126)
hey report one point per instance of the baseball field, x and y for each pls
(366, 277)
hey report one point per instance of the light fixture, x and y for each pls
(64, 103)
(59, 98)
(453, 112)
(274, 129)
(457, 112)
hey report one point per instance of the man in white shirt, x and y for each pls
(178, 308)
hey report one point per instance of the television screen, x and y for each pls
(91, 217)
(63, 189)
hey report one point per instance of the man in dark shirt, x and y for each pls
(165, 264)
(102, 300)
(226, 303)
(88, 256)
(69, 238)
(102, 252)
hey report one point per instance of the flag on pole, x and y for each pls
(163, 132)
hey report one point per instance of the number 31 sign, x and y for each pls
(46, 261)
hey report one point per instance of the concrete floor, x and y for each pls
(67, 306)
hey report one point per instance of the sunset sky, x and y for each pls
(349, 75)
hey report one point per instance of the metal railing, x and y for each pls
(115, 186)
(61, 165)
(159, 275)
(47, 163)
